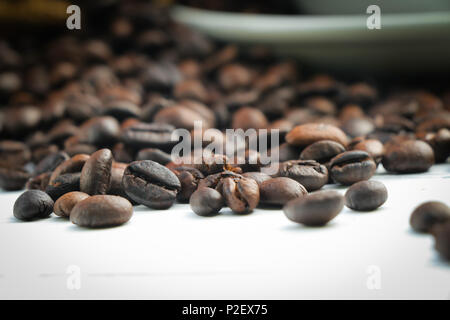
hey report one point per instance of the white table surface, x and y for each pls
(174, 254)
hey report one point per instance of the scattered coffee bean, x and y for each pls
(50, 162)
(306, 134)
(428, 215)
(39, 182)
(32, 205)
(72, 165)
(322, 151)
(352, 166)
(189, 179)
(366, 195)
(101, 211)
(315, 209)
(63, 184)
(206, 202)
(149, 135)
(96, 173)
(153, 154)
(64, 205)
(441, 234)
(309, 173)
(278, 191)
(408, 157)
(259, 177)
(13, 178)
(241, 194)
(151, 184)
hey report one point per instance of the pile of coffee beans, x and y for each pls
(87, 118)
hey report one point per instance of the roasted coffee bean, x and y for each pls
(440, 142)
(14, 153)
(214, 180)
(115, 185)
(352, 166)
(189, 179)
(249, 118)
(286, 152)
(13, 178)
(72, 165)
(101, 211)
(32, 205)
(322, 151)
(149, 135)
(259, 177)
(151, 184)
(39, 153)
(233, 76)
(441, 234)
(64, 205)
(278, 191)
(366, 195)
(309, 173)
(408, 157)
(153, 154)
(356, 127)
(241, 194)
(206, 202)
(96, 173)
(63, 184)
(306, 134)
(39, 182)
(50, 162)
(373, 147)
(121, 109)
(180, 116)
(428, 215)
(80, 148)
(99, 131)
(315, 209)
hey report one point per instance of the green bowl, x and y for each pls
(406, 43)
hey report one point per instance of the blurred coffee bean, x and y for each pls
(429, 214)
(149, 135)
(441, 234)
(50, 162)
(373, 147)
(14, 153)
(366, 195)
(408, 157)
(121, 109)
(38, 182)
(63, 184)
(72, 165)
(306, 134)
(249, 118)
(99, 131)
(322, 151)
(259, 177)
(12, 178)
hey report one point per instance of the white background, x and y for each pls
(175, 254)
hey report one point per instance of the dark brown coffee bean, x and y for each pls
(154, 154)
(259, 177)
(39, 182)
(441, 234)
(366, 195)
(72, 165)
(81, 107)
(32, 205)
(428, 215)
(309, 173)
(50, 162)
(64, 205)
(408, 157)
(39, 153)
(286, 152)
(373, 147)
(356, 127)
(189, 179)
(322, 151)
(306, 134)
(63, 184)
(249, 118)
(233, 76)
(101, 211)
(278, 191)
(121, 109)
(151, 184)
(149, 135)
(352, 166)
(241, 194)
(206, 202)
(440, 142)
(13, 178)
(14, 153)
(315, 209)
(96, 173)
(214, 180)
(99, 131)
(180, 116)
(80, 148)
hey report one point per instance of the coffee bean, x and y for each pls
(154, 154)
(408, 157)
(352, 166)
(96, 173)
(311, 174)
(99, 131)
(32, 205)
(278, 191)
(121, 109)
(180, 117)
(151, 184)
(366, 195)
(259, 177)
(50, 162)
(14, 153)
(322, 151)
(306, 134)
(63, 184)
(373, 147)
(64, 205)
(149, 135)
(13, 178)
(428, 215)
(315, 209)
(39, 182)
(72, 165)
(441, 234)
(101, 211)
(249, 118)
(189, 179)
(206, 202)
(214, 180)
(241, 194)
